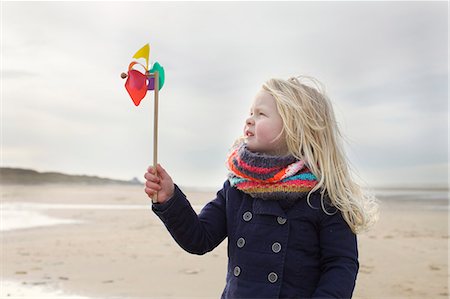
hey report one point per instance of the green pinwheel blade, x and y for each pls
(158, 68)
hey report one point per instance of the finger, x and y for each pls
(151, 177)
(149, 192)
(162, 172)
(151, 169)
(153, 186)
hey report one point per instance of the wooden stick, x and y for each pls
(155, 130)
(155, 123)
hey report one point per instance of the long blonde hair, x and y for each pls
(312, 135)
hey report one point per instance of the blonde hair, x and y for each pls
(312, 135)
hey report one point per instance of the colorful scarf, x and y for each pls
(269, 177)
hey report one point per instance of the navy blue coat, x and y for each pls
(272, 253)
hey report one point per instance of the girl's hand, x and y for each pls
(161, 184)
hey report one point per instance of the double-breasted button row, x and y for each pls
(247, 216)
(276, 247)
(272, 277)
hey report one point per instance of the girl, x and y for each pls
(289, 208)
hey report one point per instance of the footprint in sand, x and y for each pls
(434, 268)
(410, 291)
(39, 283)
(36, 268)
(190, 271)
(366, 269)
(21, 272)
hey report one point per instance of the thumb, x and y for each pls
(162, 173)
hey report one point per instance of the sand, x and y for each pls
(108, 244)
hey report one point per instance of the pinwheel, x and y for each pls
(137, 85)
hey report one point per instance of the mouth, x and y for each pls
(248, 133)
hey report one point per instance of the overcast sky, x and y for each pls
(65, 108)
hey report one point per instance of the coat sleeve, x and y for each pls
(196, 234)
(338, 257)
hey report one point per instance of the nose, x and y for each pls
(249, 121)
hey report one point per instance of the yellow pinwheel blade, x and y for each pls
(143, 52)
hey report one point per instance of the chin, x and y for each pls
(255, 150)
(251, 148)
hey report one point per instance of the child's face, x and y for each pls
(264, 125)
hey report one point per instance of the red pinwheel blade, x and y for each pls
(136, 86)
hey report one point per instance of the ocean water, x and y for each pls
(22, 219)
(411, 194)
(16, 290)
(24, 215)
(432, 199)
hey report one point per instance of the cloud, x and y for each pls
(17, 74)
(384, 65)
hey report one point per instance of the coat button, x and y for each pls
(240, 242)
(281, 220)
(247, 216)
(276, 247)
(272, 277)
(237, 271)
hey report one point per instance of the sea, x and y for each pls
(429, 199)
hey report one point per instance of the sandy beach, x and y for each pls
(105, 242)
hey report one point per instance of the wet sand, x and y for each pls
(125, 251)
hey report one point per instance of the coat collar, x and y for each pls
(267, 207)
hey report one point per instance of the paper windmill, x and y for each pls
(137, 85)
(137, 82)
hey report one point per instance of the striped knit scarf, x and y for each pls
(269, 177)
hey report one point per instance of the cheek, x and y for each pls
(267, 131)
